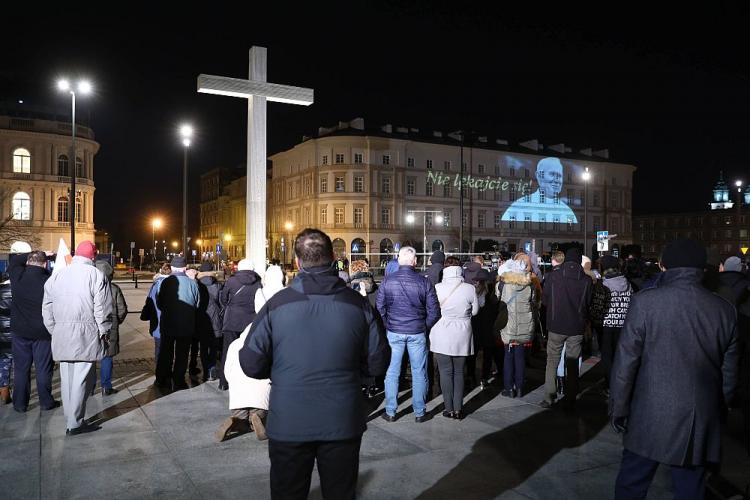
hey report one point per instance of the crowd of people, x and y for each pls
(673, 344)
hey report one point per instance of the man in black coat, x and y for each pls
(31, 340)
(435, 271)
(566, 296)
(674, 369)
(315, 340)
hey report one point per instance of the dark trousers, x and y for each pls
(490, 353)
(637, 472)
(451, 380)
(292, 465)
(514, 368)
(26, 352)
(205, 347)
(608, 346)
(173, 360)
(229, 337)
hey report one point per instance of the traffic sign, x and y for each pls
(744, 250)
(602, 241)
(132, 244)
(218, 248)
(141, 252)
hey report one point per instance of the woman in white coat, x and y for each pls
(451, 338)
(248, 397)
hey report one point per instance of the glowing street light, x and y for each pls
(586, 178)
(186, 133)
(156, 223)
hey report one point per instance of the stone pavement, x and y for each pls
(151, 446)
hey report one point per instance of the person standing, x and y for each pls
(617, 293)
(209, 320)
(77, 311)
(315, 340)
(31, 341)
(152, 314)
(435, 271)
(674, 371)
(566, 294)
(119, 313)
(6, 340)
(482, 325)
(178, 300)
(238, 300)
(451, 338)
(409, 307)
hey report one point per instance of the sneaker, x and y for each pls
(389, 418)
(258, 427)
(448, 414)
(108, 391)
(83, 429)
(458, 415)
(508, 393)
(420, 419)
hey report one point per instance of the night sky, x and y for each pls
(665, 90)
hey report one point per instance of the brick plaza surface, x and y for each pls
(151, 446)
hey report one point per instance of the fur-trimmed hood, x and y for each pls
(513, 278)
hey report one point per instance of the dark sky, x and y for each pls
(665, 90)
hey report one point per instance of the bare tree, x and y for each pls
(12, 230)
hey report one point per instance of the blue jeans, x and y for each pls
(416, 345)
(105, 369)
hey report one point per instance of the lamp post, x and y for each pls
(156, 223)
(410, 220)
(738, 183)
(586, 177)
(186, 132)
(84, 87)
(289, 226)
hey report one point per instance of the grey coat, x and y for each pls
(518, 296)
(77, 311)
(451, 335)
(674, 368)
(119, 308)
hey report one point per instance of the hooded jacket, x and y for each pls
(566, 295)
(238, 300)
(407, 302)
(315, 340)
(273, 282)
(119, 308)
(519, 296)
(618, 301)
(471, 272)
(458, 301)
(435, 271)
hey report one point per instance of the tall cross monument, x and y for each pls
(257, 91)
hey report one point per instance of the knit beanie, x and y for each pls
(684, 253)
(733, 264)
(573, 255)
(609, 262)
(438, 257)
(86, 249)
(206, 267)
(179, 262)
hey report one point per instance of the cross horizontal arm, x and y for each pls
(237, 87)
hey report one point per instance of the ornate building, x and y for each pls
(36, 166)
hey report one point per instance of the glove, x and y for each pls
(619, 424)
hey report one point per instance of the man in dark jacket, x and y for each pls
(238, 300)
(315, 339)
(566, 295)
(178, 301)
(31, 340)
(675, 368)
(435, 271)
(209, 320)
(409, 306)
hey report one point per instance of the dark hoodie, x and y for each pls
(566, 295)
(238, 300)
(471, 272)
(435, 271)
(315, 339)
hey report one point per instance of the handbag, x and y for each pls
(223, 310)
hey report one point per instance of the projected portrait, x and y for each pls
(544, 204)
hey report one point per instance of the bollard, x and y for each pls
(135, 278)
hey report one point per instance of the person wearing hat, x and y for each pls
(178, 301)
(209, 320)
(238, 301)
(675, 369)
(77, 312)
(435, 271)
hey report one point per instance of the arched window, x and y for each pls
(63, 210)
(339, 248)
(21, 206)
(358, 246)
(22, 161)
(62, 166)
(79, 167)
(386, 245)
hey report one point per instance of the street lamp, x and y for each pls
(586, 177)
(186, 132)
(289, 226)
(156, 223)
(438, 219)
(738, 183)
(83, 87)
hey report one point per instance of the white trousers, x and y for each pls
(77, 379)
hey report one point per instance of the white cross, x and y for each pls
(256, 90)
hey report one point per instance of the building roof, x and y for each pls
(44, 119)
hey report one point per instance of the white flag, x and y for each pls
(63, 256)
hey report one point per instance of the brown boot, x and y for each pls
(230, 426)
(5, 395)
(258, 427)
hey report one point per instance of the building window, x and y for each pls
(339, 158)
(512, 192)
(497, 170)
(340, 184)
(512, 222)
(527, 221)
(598, 223)
(556, 199)
(307, 216)
(386, 159)
(429, 164)
(325, 160)
(410, 162)
(21, 206)
(338, 215)
(512, 172)
(481, 195)
(410, 186)
(447, 219)
(386, 185)
(570, 223)
(385, 216)
(614, 181)
(447, 191)
(22, 161)
(63, 210)
(428, 220)
(324, 184)
(526, 195)
(62, 166)
(79, 167)
(595, 201)
(526, 172)
(358, 158)
(498, 220)
(542, 221)
(359, 215)
(555, 223)
(428, 188)
(480, 219)
(447, 165)
(465, 190)
(480, 169)
(359, 184)
(542, 196)
(465, 218)
(324, 215)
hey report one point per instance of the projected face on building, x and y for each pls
(545, 204)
